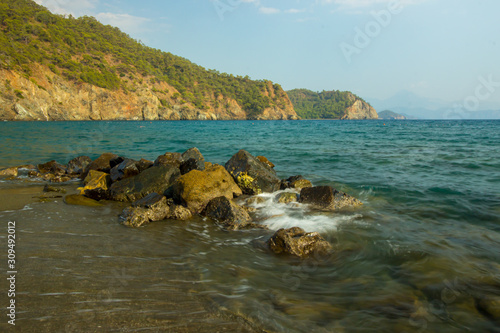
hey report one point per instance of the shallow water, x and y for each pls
(422, 254)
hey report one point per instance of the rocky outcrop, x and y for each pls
(155, 179)
(327, 198)
(77, 165)
(96, 185)
(103, 163)
(196, 188)
(227, 213)
(49, 96)
(360, 110)
(127, 168)
(252, 175)
(295, 241)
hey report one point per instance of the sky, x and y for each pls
(438, 49)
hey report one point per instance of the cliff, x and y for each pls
(54, 67)
(359, 110)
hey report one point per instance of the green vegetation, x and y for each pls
(321, 105)
(84, 50)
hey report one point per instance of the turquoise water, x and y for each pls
(422, 254)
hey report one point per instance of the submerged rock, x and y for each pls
(77, 165)
(295, 182)
(80, 200)
(103, 163)
(251, 175)
(230, 215)
(327, 198)
(96, 185)
(295, 241)
(154, 207)
(49, 188)
(286, 197)
(155, 179)
(173, 159)
(196, 188)
(125, 169)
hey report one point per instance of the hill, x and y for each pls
(330, 105)
(54, 67)
(387, 114)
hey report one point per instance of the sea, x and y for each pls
(422, 254)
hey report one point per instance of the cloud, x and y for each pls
(358, 5)
(126, 22)
(269, 10)
(65, 7)
(294, 11)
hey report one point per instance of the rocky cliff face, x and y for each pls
(360, 110)
(47, 96)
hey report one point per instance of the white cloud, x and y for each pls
(294, 11)
(269, 10)
(126, 22)
(367, 4)
(65, 7)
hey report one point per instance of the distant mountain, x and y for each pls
(330, 105)
(387, 114)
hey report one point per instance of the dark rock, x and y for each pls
(296, 182)
(116, 161)
(49, 188)
(80, 200)
(327, 198)
(52, 167)
(78, 165)
(173, 159)
(264, 160)
(155, 179)
(251, 175)
(96, 185)
(295, 241)
(102, 163)
(144, 164)
(196, 188)
(125, 169)
(153, 207)
(286, 197)
(188, 156)
(227, 213)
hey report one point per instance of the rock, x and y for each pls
(327, 198)
(9, 172)
(490, 305)
(286, 197)
(155, 179)
(49, 188)
(192, 160)
(60, 179)
(144, 164)
(77, 165)
(296, 182)
(125, 169)
(96, 185)
(251, 175)
(102, 163)
(153, 207)
(227, 213)
(196, 188)
(80, 200)
(295, 241)
(52, 167)
(255, 200)
(264, 160)
(174, 159)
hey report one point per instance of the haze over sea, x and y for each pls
(421, 255)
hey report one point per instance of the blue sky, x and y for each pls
(440, 49)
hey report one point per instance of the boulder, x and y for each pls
(52, 167)
(144, 164)
(125, 169)
(77, 165)
(103, 163)
(286, 197)
(327, 198)
(196, 188)
(174, 159)
(192, 159)
(251, 175)
(295, 241)
(295, 182)
(80, 200)
(96, 185)
(155, 179)
(264, 160)
(151, 208)
(9, 172)
(227, 213)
